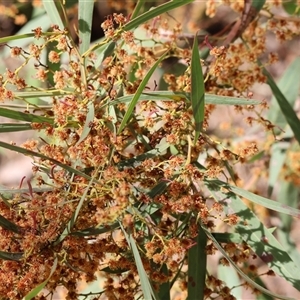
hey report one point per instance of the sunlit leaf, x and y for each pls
(39, 287)
(85, 17)
(285, 107)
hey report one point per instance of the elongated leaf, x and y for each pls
(198, 91)
(8, 225)
(96, 230)
(154, 13)
(52, 11)
(265, 245)
(147, 289)
(241, 273)
(285, 107)
(89, 119)
(131, 162)
(43, 93)
(289, 85)
(9, 191)
(21, 116)
(36, 154)
(165, 287)
(197, 267)
(38, 288)
(261, 239)
(138, 94)
(11, 256)
(6, 39)
(171, 96)
(11, 127)
(271, 204)
(158, 189)
(74, 217)
(138, 7)
(85, 18)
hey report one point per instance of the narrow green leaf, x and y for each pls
(9, 191)
(241, 273)
(89, 119)
(138, 94)
(285, 107)
(21, 116)
(225, 100)
(11, 127)
(171, 96)
(265, 245)
(114, 271)
(74, 217)
(158, 189)
(96, 230)
(271, 204)
(149, 15)
(11, 256)
(38, 288)
(260, 238)
(6, 39)
(43, 93)
(131, 162)
(8, 225)
(139, 5)
(36, 154)
(147, 289)
(165, 287)
(197, 267)
(85, 18)
(197, 89)
(52, 11)
(289, 85)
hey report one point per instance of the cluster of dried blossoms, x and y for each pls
(116, 183)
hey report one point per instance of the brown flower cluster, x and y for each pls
(104, 185)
